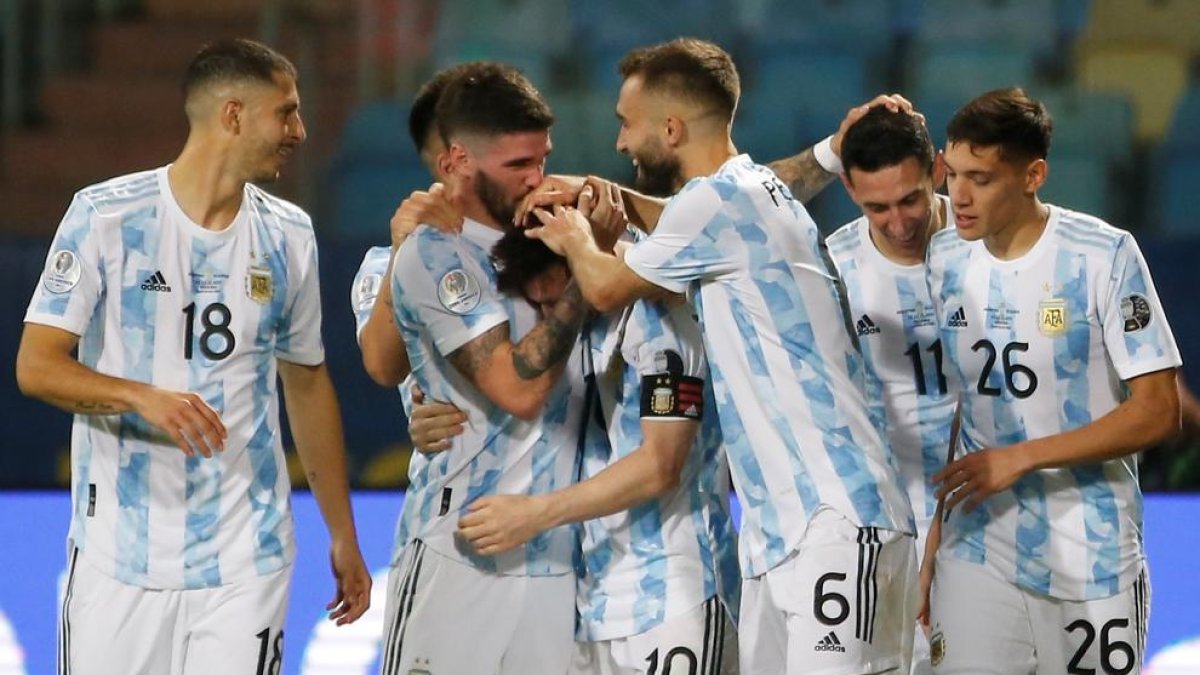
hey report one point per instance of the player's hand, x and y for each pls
(188, 419)
(600, 202)
(353, 594)
(562, 230)
(893, 102)
(499, 523)
(973, 478)
(436, 207)
(553, 191)
(432, 424)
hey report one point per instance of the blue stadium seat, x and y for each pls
(962, 71)
(1027, 24)
(1184, 131)
(1180, 215)
(1081, 183)
(1096, 123)
(868, 25)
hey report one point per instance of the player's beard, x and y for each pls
(495, 202)
(659, 174)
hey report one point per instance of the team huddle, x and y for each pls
(930, 418)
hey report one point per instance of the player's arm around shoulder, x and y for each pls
(317, 429)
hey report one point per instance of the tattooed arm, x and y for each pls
(802, 174)
(47, 370)
(518, 377)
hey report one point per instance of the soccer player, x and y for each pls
(1065, 362)
(450, 609)
(186, 289)
(890, 171)
(659, 564)
(826, 542)
(383, 353)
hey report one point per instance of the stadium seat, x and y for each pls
(1183, 134)
(1180, 206)
(962, 71)
(1097, 123)
(1152, 77)
(1163, 23)
(866, 25)
(1081, 183)
(1030, 25)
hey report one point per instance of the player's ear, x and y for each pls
(230, 115)
(675, 129)
(456, 159)
(939, 170)
(1035, 175)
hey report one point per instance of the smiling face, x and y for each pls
(988, 193)
(898, 202)
(269, 127)
(643, 138)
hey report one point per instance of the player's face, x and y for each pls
(507, 168)
(272, 128)
(642, 138)
(544, 290)
(986, 192)
(898, 203)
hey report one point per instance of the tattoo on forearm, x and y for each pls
(471, 357)
(551, 341)
(802, 174)
(93, 408)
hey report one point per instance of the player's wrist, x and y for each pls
(826, 157)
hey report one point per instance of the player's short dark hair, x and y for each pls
(687, 68)
(1008, 118)
(490, 99)
(421, 115)
(884, 138)
(235, 59)
(519, 259)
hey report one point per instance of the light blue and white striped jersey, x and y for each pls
(787, 376)
(897, 331)
(666, 557)
(1039, 346)
(366, 285)
(157, 298)
(444, 295)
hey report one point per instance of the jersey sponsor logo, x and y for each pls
(458, 291)
(365, 291)
(937, 648)
(1135, 312)
(958, 319)
(830, 643)
(1052, 317)
(157, 283)
(63, 272)
(259, 285)
(866, 326)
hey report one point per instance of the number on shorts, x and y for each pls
(271, 667)
(1107, 648)
(821, 598)
(692, 662)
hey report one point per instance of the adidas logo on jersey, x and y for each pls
(958, 319)
(156, 282)
(829, 643)
(866, 326)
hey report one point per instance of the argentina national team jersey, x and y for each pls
(444, 295)
(365, 287)
(892, 315)
(663, 558)
(156, 298)
(1040, 345)
(787, 378)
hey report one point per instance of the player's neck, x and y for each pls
(706, 158)
(206, 189)
(1019, 238)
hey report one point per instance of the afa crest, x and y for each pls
(259, 285)
(1052, 317)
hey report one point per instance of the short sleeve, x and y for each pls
(367, 283)
(1136, 333)
(299, 340)
(686, 247)
(72, 282)
(445, 284)
(664, 345)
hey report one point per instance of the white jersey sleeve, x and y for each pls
(1136, 333)
(367, 282)
(685, 247)
(73, 280)
(299, 339)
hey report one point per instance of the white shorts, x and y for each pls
(111, 628)
(446, 617)
(983, 625)
(844, 603)
(700, 642)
